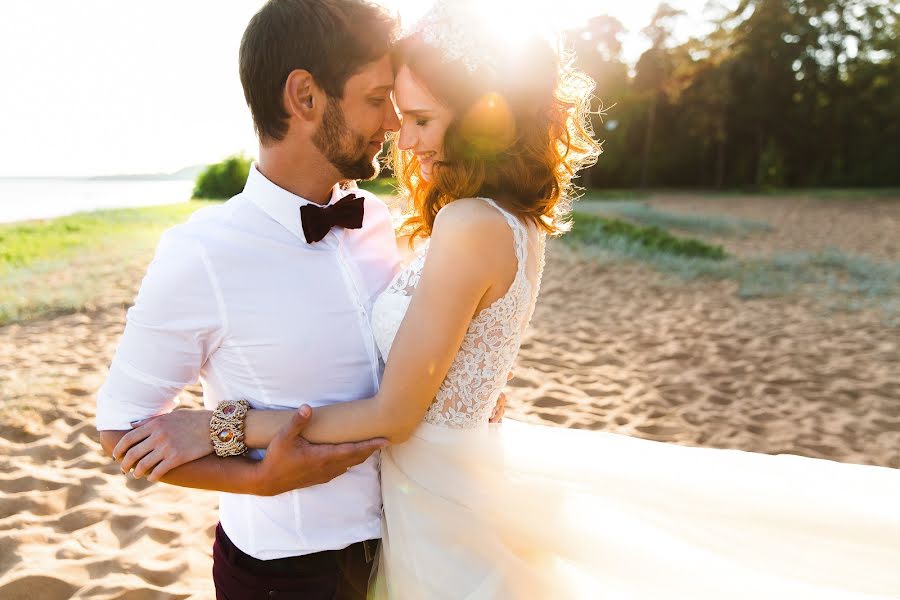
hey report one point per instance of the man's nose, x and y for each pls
(391, 119)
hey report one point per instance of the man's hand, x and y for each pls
(159, 444)
(500, 407)
(291, 462)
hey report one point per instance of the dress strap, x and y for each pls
(520, 234)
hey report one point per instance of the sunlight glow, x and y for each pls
(108, 87)
(554, 15)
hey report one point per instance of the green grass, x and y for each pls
(23, 244)
(635, 240)
(644, 214)
(605, 195)
(383, 186)
(74, 262)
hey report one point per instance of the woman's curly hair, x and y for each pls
(520, 133)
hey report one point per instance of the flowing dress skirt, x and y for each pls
(526, 511)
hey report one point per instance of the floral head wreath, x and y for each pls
(455, 32)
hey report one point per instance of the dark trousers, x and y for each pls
(329, 575)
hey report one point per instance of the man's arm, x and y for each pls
(311, 464)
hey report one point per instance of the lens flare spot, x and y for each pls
(489, 125)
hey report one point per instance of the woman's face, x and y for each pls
(424, 120)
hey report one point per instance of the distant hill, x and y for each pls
(189, 173)
(185, 174)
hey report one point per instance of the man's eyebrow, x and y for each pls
(383, 88)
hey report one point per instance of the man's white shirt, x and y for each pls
(238, 298)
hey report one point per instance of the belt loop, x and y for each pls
(370, 554)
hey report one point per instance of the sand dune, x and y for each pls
(615, 347)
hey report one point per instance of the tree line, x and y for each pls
(781, 93)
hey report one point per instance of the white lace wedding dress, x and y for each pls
(515, 510)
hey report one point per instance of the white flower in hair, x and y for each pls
(455, 32)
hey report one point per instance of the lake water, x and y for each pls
(27, 199)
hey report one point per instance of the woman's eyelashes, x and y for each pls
(416, 117)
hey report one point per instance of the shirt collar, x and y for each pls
(280, 204)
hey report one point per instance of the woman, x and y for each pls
(487, 152)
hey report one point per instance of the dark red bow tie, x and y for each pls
(317, 221)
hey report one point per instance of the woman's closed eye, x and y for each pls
(422, 122)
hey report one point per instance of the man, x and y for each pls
(246, 297)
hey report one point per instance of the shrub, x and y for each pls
(591, 230)
(223, 179)
(382, 186)
(644, 214)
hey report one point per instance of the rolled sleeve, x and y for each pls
(175, 325)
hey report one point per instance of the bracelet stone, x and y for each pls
(226, 428)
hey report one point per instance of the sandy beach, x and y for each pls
(614, 346)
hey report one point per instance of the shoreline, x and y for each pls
(28, 200)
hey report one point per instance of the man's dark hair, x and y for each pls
(332, 39)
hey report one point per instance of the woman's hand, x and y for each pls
(159, 444)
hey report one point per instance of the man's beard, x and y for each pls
(345, 149)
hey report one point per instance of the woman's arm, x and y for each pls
(262, 425)
(471, 249)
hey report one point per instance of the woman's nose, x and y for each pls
(406, 140)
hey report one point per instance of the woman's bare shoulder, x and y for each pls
(471, 227)
(474, 216)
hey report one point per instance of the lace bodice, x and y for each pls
(468, 394)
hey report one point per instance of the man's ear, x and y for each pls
(302, 97)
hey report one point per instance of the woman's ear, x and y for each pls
(302, 97)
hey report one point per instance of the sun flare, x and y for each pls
(557, 15)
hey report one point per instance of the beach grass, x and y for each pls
(644, 214)
(71, 263)
(636, 240)
(839, 280)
